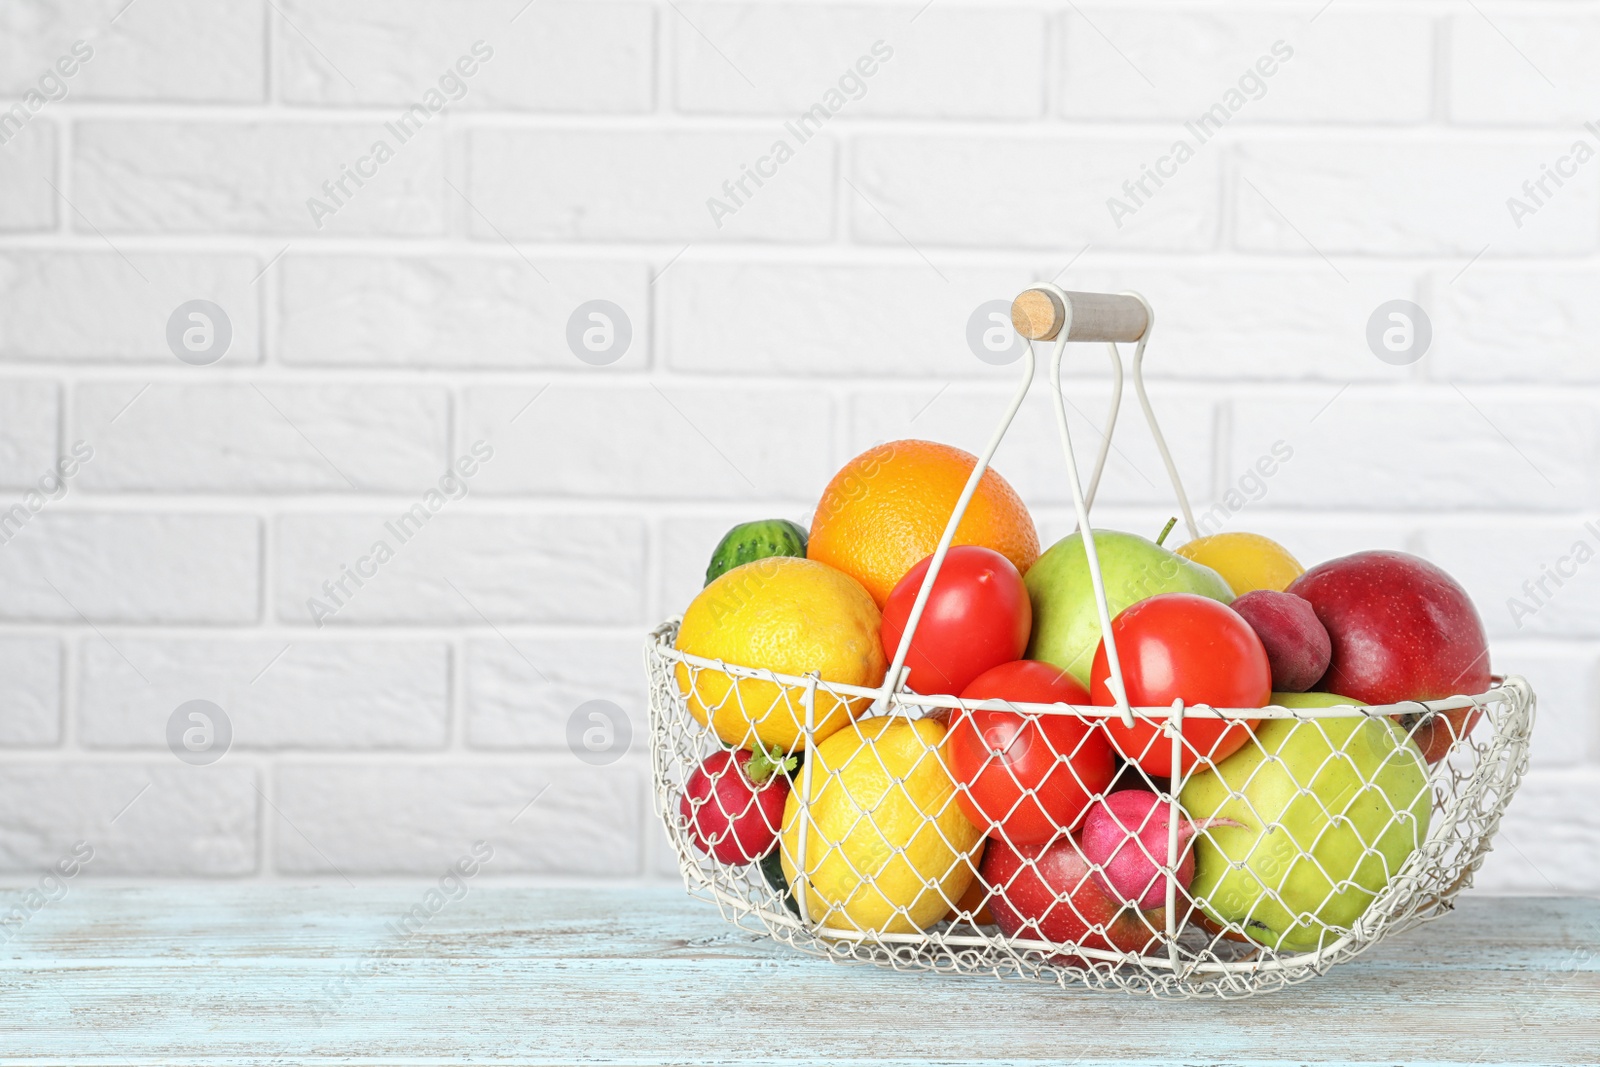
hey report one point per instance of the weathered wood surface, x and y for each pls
(242, 975)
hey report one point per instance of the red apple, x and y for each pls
(1435, 731)
(1047, 893)
(1401, 629)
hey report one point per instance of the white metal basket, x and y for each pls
(1172, 951)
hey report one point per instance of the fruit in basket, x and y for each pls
(977, 617)
(1297, 643)
(887, 848)
(1327, 810)
(887, 508)
(1402, 629)
(1179, 646)
(1066, 623)
(750, 541)
(1049, 893)
(1027, 779)
(733, 803)
(1124, 833)
(1246, 561)
(786, 615)
(1435, 732)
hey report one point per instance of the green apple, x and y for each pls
(1301, 866)
(1066, 624)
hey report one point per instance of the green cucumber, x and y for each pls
(772, 871)
(750, 541)
(772, 863)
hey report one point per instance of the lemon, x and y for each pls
(790, 616)
(887, 848)
(1246, 561)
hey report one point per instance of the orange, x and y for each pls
(884, 512)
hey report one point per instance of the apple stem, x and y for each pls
(1167, 529)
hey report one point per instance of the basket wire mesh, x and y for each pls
(1334, 834)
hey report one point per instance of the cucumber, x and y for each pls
(751, 541)
(772, 871)
(772, 863)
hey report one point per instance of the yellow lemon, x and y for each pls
(1246, 561)
(790, 616)
(887, 848)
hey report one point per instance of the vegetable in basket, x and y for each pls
(977, 616)
(1049, 893)
(1066, 622)
(1123, 835)
(1178, 646)
(733, 803)
(772, 873)
(750, 541)
(1027, 778)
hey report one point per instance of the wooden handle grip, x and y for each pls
(1038, 315)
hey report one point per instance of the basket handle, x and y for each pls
(895, 679)
(1040, 314)
(1044, 312)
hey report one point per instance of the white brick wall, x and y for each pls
(1365, 66)
(570, 57)
(373, 347)
(27, 170)
(951, 62)
(201, 176)
(45, 294)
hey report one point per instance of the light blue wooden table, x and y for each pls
(265, 975)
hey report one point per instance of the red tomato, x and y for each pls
(1176, 646)
(997, 757)
(978, 616)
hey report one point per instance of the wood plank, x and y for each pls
(234, 975)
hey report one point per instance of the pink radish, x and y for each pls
(733, 803)
(1125, 833)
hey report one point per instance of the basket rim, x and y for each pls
(1289, 963)
(1505, 687)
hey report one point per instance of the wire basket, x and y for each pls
(1295, 871)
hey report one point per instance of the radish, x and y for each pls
(733, 803)
(1123, 835)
